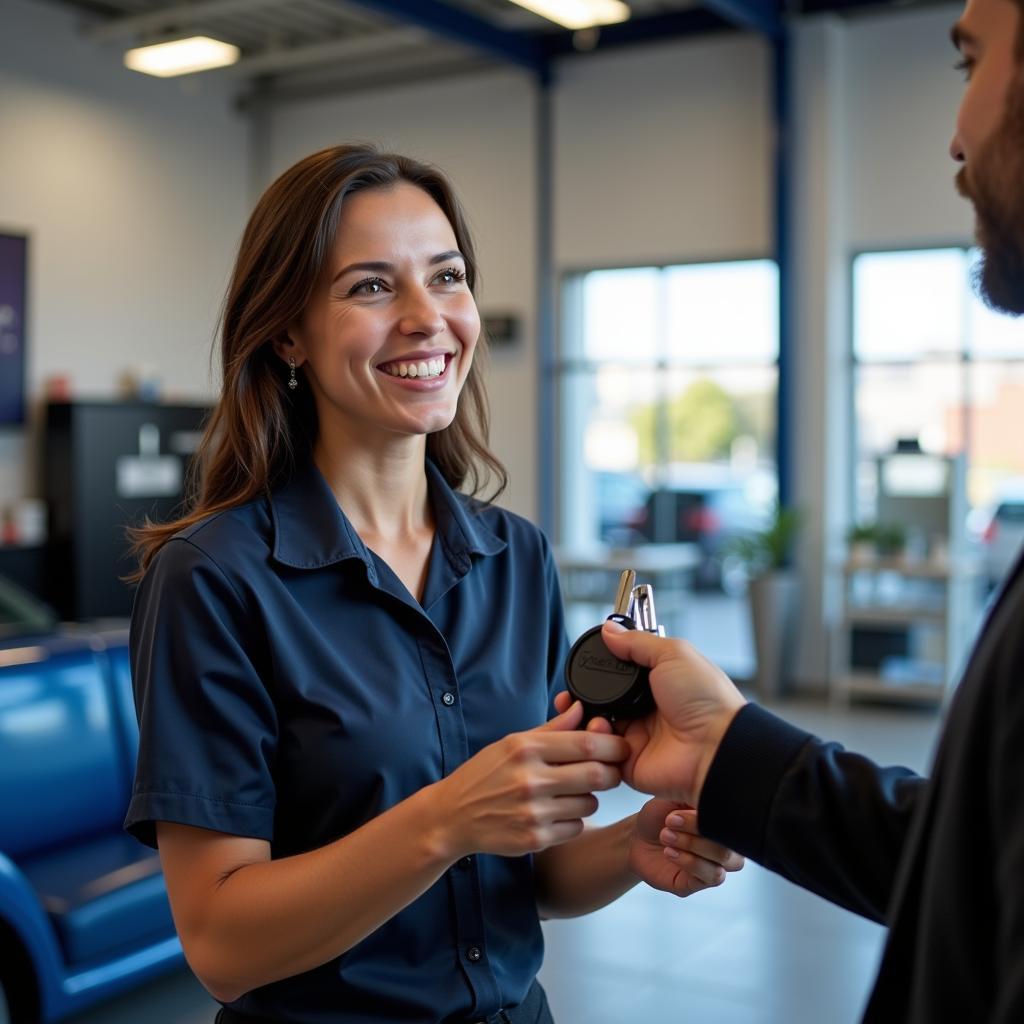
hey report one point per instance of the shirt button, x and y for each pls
(465, 862)
(448, 698)
(473, 954)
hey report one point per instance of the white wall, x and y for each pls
(902, 95)
(132, 192)
(662, 154)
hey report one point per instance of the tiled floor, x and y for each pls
(755, 951)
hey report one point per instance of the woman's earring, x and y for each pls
(292, 382)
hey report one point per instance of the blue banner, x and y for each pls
(13, 269)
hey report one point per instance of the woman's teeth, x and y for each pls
(424, 368)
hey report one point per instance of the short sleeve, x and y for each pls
(207, 724)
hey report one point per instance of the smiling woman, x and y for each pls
(344, 667)
(286, 277)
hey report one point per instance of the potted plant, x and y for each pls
(890, 539)
(860, 542)
(773, 592)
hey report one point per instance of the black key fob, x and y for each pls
(607, 686)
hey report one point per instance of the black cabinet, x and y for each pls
(108, 465)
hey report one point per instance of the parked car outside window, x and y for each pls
(1003, 534)
(710, 507)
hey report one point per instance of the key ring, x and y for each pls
(607, 686)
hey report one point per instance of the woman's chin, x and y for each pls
(432, 423)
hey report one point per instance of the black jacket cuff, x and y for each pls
(740, 789)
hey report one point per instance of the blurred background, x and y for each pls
(727, 282)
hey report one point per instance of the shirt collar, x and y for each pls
(311, 531)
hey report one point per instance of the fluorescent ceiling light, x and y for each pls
(578, 13)
(181, 56)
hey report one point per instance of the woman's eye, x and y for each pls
(451, 275)
(964, 65)
(371, 286)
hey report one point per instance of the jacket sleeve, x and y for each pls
(1006, 815)
(827, 819)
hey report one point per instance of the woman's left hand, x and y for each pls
(689, 864)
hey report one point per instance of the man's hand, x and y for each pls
(672, 748)
(689, 864)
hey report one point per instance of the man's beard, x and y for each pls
(994, 183)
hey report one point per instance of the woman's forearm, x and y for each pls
(586, 874)
(274, 919)
(246, 920)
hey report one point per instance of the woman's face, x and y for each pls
(388, 337)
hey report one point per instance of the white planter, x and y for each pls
(773, 611)
(862, 552)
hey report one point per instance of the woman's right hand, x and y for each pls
(530, 790)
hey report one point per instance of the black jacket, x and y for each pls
(939, 860)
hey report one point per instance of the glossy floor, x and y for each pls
(755, 951)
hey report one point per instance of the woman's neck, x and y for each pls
(381, 487)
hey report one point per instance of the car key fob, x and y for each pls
(607, 686)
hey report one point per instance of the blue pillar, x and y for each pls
(783, 232)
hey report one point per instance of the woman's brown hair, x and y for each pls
(259, 427)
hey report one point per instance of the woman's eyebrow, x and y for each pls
(444, 257)
(375, 266)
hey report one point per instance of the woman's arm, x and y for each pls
(246, 920)
(587, 873)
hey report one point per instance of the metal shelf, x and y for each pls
(927, 596)
(868, 685)
(926, 570)
(880, 615)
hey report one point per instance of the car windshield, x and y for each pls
(1010, 512)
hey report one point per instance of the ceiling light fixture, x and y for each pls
(181, 56)
(578, 14)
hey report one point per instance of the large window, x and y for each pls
(667, 389)
(934, 368)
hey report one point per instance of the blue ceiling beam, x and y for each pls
(461, 26)
(750, 15)
(534, 51)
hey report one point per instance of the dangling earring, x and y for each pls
(292, 382)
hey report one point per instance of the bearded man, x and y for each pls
(939, 860)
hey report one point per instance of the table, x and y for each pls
(590, 577)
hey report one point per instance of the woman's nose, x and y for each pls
(420, 314)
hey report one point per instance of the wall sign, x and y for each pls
(13, 295)
(502, 329)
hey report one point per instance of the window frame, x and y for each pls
(961, 360)
(562, 366)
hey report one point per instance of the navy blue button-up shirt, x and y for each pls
(289, 688)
